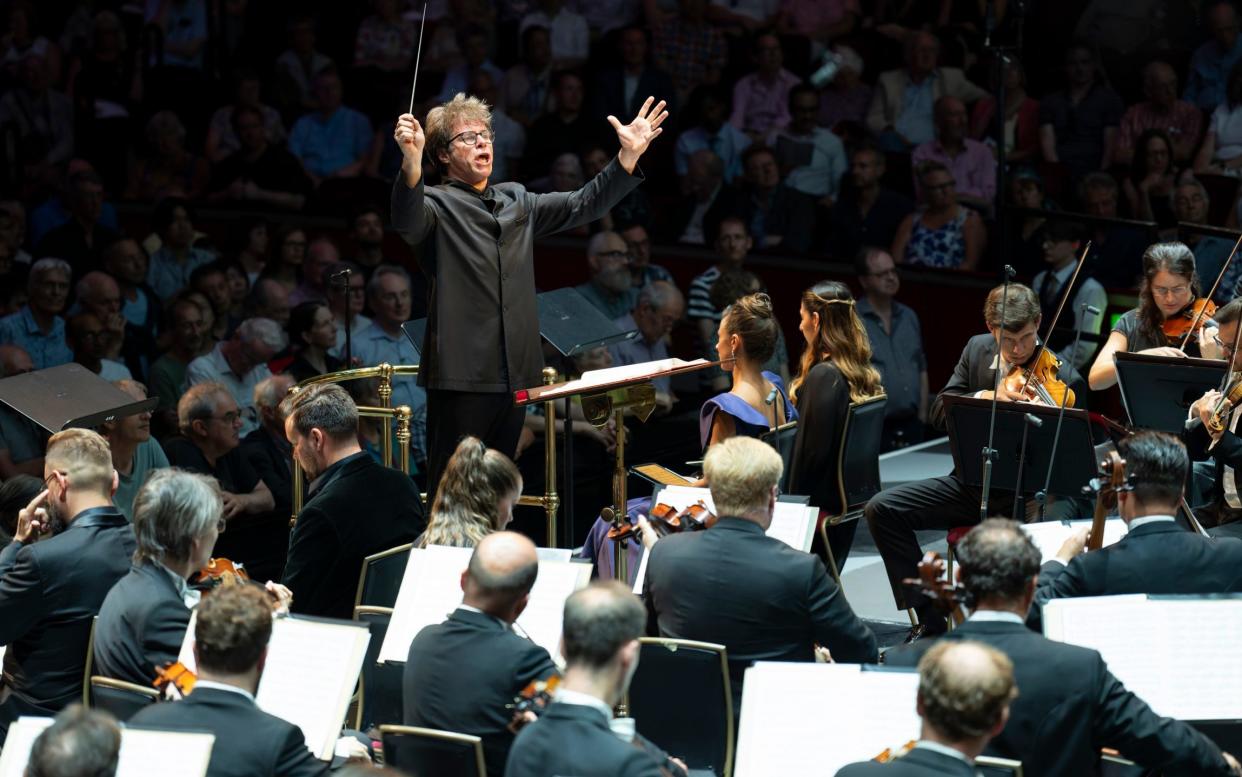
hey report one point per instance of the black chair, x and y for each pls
(379, 686)
(428, 752)
(381, 575)
(122, 699)
(858, 467)
(782, 439)
(681, 689)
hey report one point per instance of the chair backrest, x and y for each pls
(990, 766)
(681, 693)
(858, 463)
(380, 696)
(122, 699)
(90, 664)
(427, 751)
(381, 577)
(782, 439)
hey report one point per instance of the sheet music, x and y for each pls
(143, 751)
(1183, 666)
(431, 590)
(1049, 535)
(595, 378)
(805, 718)
(311, 671)
(641, 575)
(554, 554)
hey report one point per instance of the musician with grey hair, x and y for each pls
(477, 247)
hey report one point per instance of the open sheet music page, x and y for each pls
(554, 554)
(640, 576)
(630, 371)
(1049, 535)
(431, 590)
(806, 718)
(1184, 665)
(312, 667)
(144, 752)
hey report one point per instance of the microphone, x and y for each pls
(343, 274)
(769, 400)
(1092, 309)
(988, 453)
(1010, 273)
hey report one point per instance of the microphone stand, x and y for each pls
(1041, 496)
(1028, 420)
(343, 277)
(988, 454)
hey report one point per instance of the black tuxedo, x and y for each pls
(1155, 558)
(141, 625)
(570, 739)
(357, 507)
(49, 593)
(1069, 706)
(919, 762)
(609, 92)
(438, 694)
(249, 741)
(755, 595)
(894, 515)
(1226, 452)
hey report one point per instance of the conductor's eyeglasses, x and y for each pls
(470, 137)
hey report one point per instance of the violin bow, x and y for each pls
(1043, 344)
(418, 56)
(1219, 276)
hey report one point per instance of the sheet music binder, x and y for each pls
(69, 396)
(1157, 391)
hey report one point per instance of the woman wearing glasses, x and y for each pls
(1170, 286)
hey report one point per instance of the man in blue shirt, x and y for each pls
(1211, 62)
(333, 141)
(38, 327)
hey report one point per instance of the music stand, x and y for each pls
(69, 396)
(415, 331)
(1162, 388)
(572, 324)
(968, 431)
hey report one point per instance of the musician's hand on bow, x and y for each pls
(822, 656)
(1208, 348)
(647, 532)
(638, 134)
(1206, 408)
(32, 520)
(284, 597)
(1165, 350)
(1074, 545)
(410, 139)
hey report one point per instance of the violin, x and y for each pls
(176, 676)
(1229, 399)
(890, 754)
(666, 520)
(1111, 481)
(219, 572)
(1179, 328)
(534, 698)
(931, 582)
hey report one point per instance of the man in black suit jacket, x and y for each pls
(356, 507)
(1188, 563)
(479, 634)
(1224, 509)
(1069, 705)
(266, 450)
(143, 619)
(965, 689)
(233, 627)
(620, 91)
(51, 589)
(779, 605)
(572, 737)
(894, 515)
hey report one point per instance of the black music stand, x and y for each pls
(415, 331)
(968, 432)
(1157, 391)
(69, 396)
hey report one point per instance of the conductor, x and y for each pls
(476, 245)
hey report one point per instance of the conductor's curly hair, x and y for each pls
(442, 119)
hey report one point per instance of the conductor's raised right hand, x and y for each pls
(410, 138)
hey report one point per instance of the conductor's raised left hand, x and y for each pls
(638, 134)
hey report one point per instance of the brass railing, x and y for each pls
(385, 373)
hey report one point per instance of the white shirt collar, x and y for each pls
(189, 597)
(566, 696)
(224, 687)
(996, 616)
(1146, 519)
(468, 608)
(936, 747)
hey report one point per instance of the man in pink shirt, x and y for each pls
(761, 99)
(972, 164)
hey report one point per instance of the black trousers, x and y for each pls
(452, 415)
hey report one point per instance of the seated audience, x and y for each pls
(811, 157)
(321, 254)
(1153, 175)
(269, 299)
(79, 743)
(659, 307)
(81, 240)
(620, 89)
(1180, 119)
(710, 131)
(527, 87)
(169, 268)
(347, 304)
(610, 289)
(1116, 249)
(333, 141)
(778, 217)
(224, 136)
(970, 162)
(479, 633)
(86, 337)
(867, 212)
(1021, 117)
(69, 547)
(1078, 125)
(943, 233)
(761, 98)
(127, 262)
(312, 334)
(22, 441)
(266, 448)
(239, 363)
(566, 126)
(689, 48)
(568, 32)
(257, 171)
(169, 169)
(1191, 204)
(1211, 63)
(38, 327)
(642, 271)
(135, 453)
(188, 330)
(476, 496)
(702, 187)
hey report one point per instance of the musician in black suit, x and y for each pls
(231, 634)
(1069, 705)
(79, 743)
(735, 586)
(894, 515)
(356, 506)
(1188, 562)
(572, 737)
(965, 689)
(479, 635)
(143, 619)
(1224, 448)
(70, 546)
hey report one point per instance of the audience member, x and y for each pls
(82, 239)
(224, 133)
(710, 132)
(297, 66)
(761, 98)
(328, 543)
(38, 327)
(812, 158)
(733, 244)
(689, 49)
(1153, 174)
(1221, 152)
(1212, 62)
(970, 162)
(255, 170)
(777, 216)
(1191, 203)
(43, 120)
(620, 90)
(169, 169)
(476, 496)
(509, 143)
(22, 441)
(320, 255)
(657, 309)
(901, 112)
(385, 39)
(702, 187)
(1181, 120)
(347, 304)
(569, 34)
(170, 266)
(127, 262)
(1078, 125)
(479, 633)
(867, 213)
(79, 743)
(366, 231)
(98, 294)
(564, 127)
(526, 92)
(943, 233)
(187, 325)
(472, 40)
(896, 338)
(334, 139)
(269, 299)
(312, 334)
(1021, 136)
(266, 449)
(1116, 250)
(642, 271)
(86, 337)
(211, 281)
(69, 547)
(289, 254)
(135, 453)
(239, 363)
(610, 288)
(142, 622)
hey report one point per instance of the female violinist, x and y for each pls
(476, 495)
(1169, 302)
(835, 371)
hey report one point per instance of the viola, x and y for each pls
(666, 520)
(534, 698)
(1111, 481)
(890, 754)
(931, 582)
(1038, 381)
(177, 676)
(1229, 399)
(1179, 328)
(219, 572)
